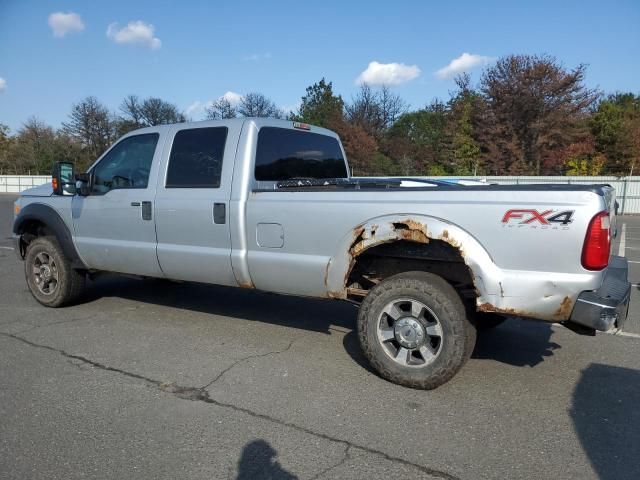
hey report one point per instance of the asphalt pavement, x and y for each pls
(153, 379)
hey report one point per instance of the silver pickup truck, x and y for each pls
(269, 204)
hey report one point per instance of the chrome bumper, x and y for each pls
(606, 307)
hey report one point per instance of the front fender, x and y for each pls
(46, 215)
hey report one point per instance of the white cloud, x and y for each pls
(463, 63)
(232, 97)
(135, 33)
(388, 74)
(62, 23)
(254, 57)
(197, 108)
(3, 84)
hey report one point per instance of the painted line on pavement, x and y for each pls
(627, 334)
(623, 241)
(6, 248)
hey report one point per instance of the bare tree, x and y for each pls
(221, 109)
(148, 112)
(375, 111)
(258, 105)
(92, 125)
(391, 107)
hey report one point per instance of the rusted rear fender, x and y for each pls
(413, 228)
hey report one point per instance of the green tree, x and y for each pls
(422, 136)
(464, 108)
(320, 106)
(615, 126)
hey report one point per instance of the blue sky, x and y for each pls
(190, 53)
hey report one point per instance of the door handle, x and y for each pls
(146, 210)
(135, 204)
(219, 213)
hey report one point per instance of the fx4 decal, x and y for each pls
(533, 218)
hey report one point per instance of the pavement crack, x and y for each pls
(249, 357)
(71, 356)
(202, 395)
(345, 456)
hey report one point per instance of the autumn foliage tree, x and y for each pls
(534, 106)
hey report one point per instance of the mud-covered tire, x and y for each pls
(70, 283)
(487, 321)
(457, 333)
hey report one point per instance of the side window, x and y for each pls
(127, 165)
(196, 158)
(284, 154)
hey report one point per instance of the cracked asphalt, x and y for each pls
(153, 379)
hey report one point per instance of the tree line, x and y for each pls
(527, 115)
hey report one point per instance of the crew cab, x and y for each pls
(269, 204)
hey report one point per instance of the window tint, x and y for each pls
(283, 154)
(196, 158)
(127, 165)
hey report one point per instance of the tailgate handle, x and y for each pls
(219, 213)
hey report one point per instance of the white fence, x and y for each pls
(627, 188)
(18, 183)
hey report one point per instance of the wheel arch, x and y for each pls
(37, 219)
(415, 229)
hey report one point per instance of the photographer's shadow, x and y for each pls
(258, 461)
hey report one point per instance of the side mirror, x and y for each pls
(83, 184)
(62, 179)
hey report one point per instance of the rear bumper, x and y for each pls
(606, 307)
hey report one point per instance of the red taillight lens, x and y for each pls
(597, 243)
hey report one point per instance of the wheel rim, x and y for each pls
(410, 333)
(45, 273)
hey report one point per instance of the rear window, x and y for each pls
(283, 154)
(196, 158)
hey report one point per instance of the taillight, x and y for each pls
(597, 243)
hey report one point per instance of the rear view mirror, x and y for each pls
(63, 179)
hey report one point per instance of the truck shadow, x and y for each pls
(606, 420)
(296, 312)
(516, 342)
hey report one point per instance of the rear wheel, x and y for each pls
(49, 275)
(414, 331)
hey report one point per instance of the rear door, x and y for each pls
(192, 203)
(113, 226)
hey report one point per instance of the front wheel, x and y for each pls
(50, 277)
(414, 331)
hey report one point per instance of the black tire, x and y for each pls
(70, 283)
(487, 321)
(443, 305)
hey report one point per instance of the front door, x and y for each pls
(114, 226)
(192, 204)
